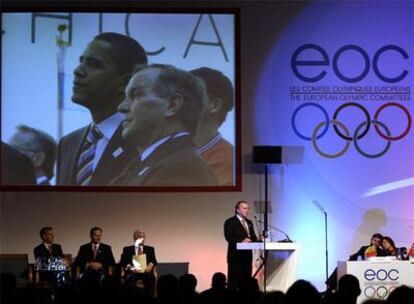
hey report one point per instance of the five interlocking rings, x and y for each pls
(360, 131)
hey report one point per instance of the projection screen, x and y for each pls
(56, 86)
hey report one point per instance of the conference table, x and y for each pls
(379, 276)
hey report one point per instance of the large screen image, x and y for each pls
(126, 100)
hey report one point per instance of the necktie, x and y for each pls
(140, 250)
(85, 163)
(95, 250)
(246, 227)
(49, 248)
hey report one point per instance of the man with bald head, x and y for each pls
(147, 275)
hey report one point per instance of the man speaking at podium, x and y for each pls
(239, 229)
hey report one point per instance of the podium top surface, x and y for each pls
(391, 260)
(279, 246)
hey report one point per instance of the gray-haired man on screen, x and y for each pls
(162, 110)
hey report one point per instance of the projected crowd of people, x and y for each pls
(151, 125)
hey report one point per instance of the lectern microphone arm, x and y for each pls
(288, 240)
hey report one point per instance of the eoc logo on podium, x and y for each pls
(379, 276)
(361, 97)
(379, 283)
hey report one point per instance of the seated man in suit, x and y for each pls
(162, 110)
(95, 154)
(147, 275)
(373, 249)
(375, 244)
(47, 248)
(95, 259)
(46, 251)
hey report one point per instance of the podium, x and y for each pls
(378, 277)
(282, 262)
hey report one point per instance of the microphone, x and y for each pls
(287, 240)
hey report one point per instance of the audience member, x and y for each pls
(347, 293)
(187, 284)
(401, 295)
(373, 301)
(167, 290)
(249, 291)
(132, 294)
(218, 293)
(8, 286)
(302, 292)
(274, 297)
(182, 291)
(349, 288)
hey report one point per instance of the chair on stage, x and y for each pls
(18, 265)
(176, 269)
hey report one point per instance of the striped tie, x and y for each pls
(85, 163)
(246, 227)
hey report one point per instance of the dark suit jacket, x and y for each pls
(16, 168)
(361, 253)
(40, 251)
(109, 166)
(85, 255)
(174, 163)
(234, 233)
(129, 251)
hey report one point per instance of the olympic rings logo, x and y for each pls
(360, 131)
(380, 292)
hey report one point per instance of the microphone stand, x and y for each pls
(265, 234)
(265, 229)
(261, 256)
(320, 207)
